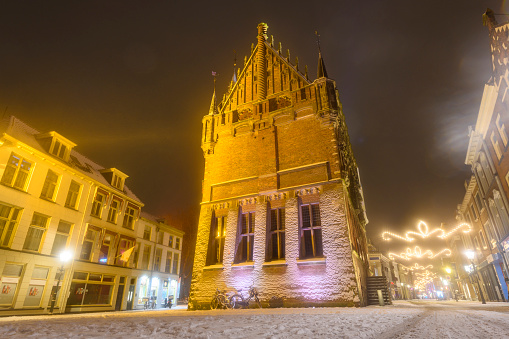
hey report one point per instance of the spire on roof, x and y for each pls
(213, 107)
(234, 77)
(321, 70)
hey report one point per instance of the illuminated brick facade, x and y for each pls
(282, 205)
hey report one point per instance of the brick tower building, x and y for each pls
(282, 205)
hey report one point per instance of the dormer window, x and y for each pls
(59, 149)
(114, 177)
(56, 144)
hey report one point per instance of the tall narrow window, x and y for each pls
(177, 243)
(105, 248)
(9, 219)
(35, 233)
(496, 145)
(113, 212)
(276, 234)
(160, 237)
(129, 216)
(157, 261)
(36, 288)
(59, 149)
(88, 244)
(146, 257)
(311, 232)
(97, 206)
(167, 265)
(10, 286)
(60, 242)
(501, 130)
(246, 237)
(175, 263)
(217, 236)
(474, 213)
(124, 244)
(50, 186)
(146, 232)
(17, 171)
(72, 195)
(170, 241)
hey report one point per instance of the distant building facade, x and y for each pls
(52, 199)
(486, 203)
(282, 205)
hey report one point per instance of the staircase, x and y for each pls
(376, 283)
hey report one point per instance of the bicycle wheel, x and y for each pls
(236, 301)
(258, 302)
(214, 303)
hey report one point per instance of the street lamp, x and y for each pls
(470, 255)
(64, 257)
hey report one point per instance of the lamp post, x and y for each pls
(470, 255)
(64, 257)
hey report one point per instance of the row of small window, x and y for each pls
(9, 219)
(17, 173)
(310, 239)
(130, 213)
(171, 264)
(147, 233)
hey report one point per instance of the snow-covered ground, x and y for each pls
(409, 319)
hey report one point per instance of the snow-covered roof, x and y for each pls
(19, 130)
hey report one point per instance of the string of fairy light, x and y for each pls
(422, 279)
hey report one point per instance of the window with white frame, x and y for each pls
(157, 259)
(170, 241)
(147, 232)
(36, 288)
(36, 232)
(175, 263)
(63, 232)
(129, 217)
(496, 145)
(160, 237)
(9, 219)
(107, 242)
(9, 283)
(114, 209)
(17, 172)
(73, 194)
(59, 149)
(177, 243)
(146, 257)
(310, 231)
(49, 188)
(117, 181)
(87, 248)
(501, 130)
(98, 203)
(167, 265)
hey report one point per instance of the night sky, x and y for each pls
(129, 82)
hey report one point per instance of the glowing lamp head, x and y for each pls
(448, 270)
(470, 254)
(65, 256)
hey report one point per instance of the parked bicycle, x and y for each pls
(220, 300)
(238, 301)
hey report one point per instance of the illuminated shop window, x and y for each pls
(10, 281)
(17, 172)
(36, 287)
(36, 232)
(91, 289)
(9, 219)
(276, 234)
(310, 232)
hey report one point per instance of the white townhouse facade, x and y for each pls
(52, 199)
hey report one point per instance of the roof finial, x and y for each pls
(212, 109)
(321, 71)
(234, 78)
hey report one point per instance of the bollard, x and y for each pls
(380, 297)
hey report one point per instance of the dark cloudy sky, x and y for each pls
(129, 82)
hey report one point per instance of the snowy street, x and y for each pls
(404, 319)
